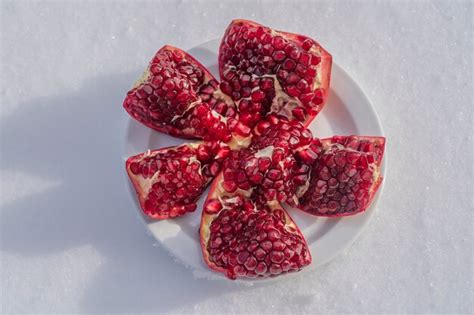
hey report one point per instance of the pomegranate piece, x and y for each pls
(345, 177)
(269, 71)
(243, 240)
(179, 96)
(277, 142)
(265, 171)
(169, 181)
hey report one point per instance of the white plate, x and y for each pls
(347, 112)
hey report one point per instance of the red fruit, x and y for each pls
(279, 82)
(295, 68)
(244, 240)
(345, 177)
(179, 96)
(169, 181)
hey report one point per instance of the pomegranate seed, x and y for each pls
(260, 254)
(304, 59)
(315, 60)
(261, 268)
(279, 56)
(307, 44)
(226, 88)
(289, 64)
(292, 78)
(266, 84)
(262, 126)
(294, 54)
(302, 85)
(275, 269)
(243, 129)
(258, 96)
(251, 263)
(245, 80)
(264, 164)
(318, 97)
(293, 91)
(278, 42)
(274, 174)
(135, 168)
(299, 113)
(229, 186)
(282, 75)
(276, 257)
(266, 246)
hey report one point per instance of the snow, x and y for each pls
(65, 70)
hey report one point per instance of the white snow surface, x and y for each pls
(65, 68)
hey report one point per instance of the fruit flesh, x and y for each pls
(179, 96)
(244, 239)
(265, 70)
(345, 177)
(169, 181)
(265, 170)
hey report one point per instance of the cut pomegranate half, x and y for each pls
(179, 96)
(169, 181)
(244, 240)
(345, 177)
(269, 71)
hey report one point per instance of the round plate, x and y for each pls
(348, 112)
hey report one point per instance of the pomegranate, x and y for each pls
(269, 71)
(273, 85)
(345, 177)
(169, 181)
(179, 96)
(243, 239)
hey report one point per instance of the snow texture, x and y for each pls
(65, 68)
